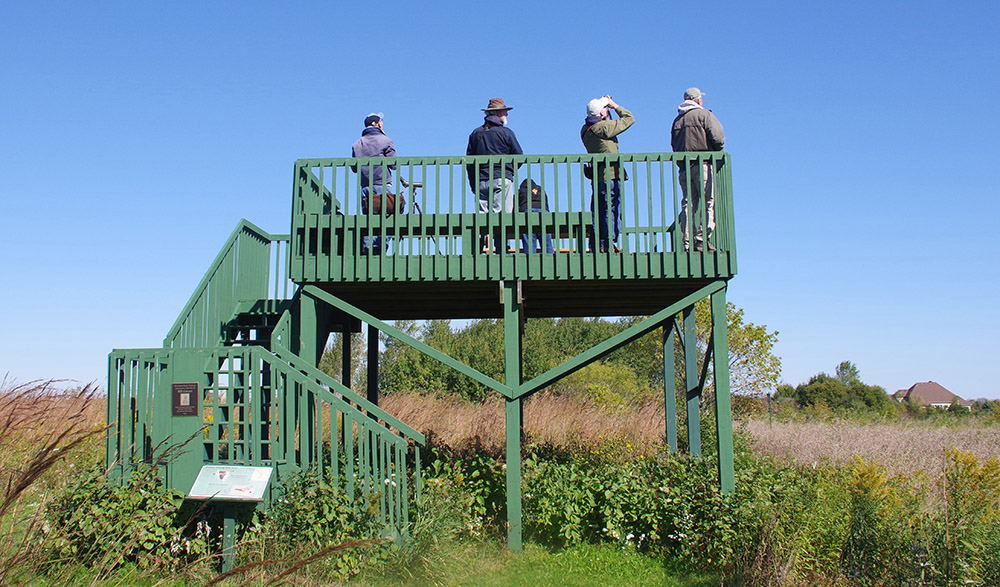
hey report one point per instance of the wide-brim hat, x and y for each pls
(496, 104)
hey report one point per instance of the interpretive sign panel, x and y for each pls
(231, 483)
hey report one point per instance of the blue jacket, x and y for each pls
(492, 138)
(373, 143)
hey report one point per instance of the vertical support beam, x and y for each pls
(373, 364)
(347, 378)
(669, 385)
(310, 350)
(512, 358)
(308, 326)
(228, 535)
(692, 383)
(346, 358)
(723, 410)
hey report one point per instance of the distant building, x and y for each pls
(929, 393)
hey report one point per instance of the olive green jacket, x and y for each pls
(602, 137)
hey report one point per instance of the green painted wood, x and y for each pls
(407, 339)
(693, 393)
(445, 237)
(723, 410)
(669, 385)
(615, 342)
(239, 273)
(512, 328)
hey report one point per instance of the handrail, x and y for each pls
(258, 408)
(331, 245)
(327, 385)
(251, 265)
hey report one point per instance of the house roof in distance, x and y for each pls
(929, 392)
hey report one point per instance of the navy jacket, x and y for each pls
(492, 138)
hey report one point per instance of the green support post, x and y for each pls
(345, 354)
(723, 410)
(373, 364)
(669, 385)
(228, 535)
(512, 348)
(692, 383)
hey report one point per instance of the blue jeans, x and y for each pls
(602, 212)
(496, 196)
(365, 191)
(526, 240)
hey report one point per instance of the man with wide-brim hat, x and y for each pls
(493, 183)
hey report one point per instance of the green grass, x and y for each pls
(490, 564)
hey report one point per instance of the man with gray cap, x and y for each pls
(696, 129)
(600, 135)
(374, 178)
(493, 183)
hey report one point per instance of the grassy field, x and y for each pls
(809, 511)
(902, 448)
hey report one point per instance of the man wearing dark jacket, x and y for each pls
(374, 177)
(696, 129)
(493, 183)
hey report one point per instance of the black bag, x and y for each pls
(393, 203)
(588, 170)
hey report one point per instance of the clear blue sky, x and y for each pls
(135, 135)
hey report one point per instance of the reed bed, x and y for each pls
(559, 420)
(904, 448)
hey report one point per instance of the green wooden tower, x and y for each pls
(236, 380)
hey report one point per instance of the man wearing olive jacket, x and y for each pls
(600, 135)
(696, 129)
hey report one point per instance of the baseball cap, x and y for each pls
(693, 94)
(595, 106)
(373, 118)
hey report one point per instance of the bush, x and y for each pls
(312, 514)
(96, 523)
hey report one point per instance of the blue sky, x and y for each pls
(135, 135)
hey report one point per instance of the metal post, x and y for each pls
(692, 383)
(512, 348)
(723, 410)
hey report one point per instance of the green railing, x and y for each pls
(249, 273)
(261, 409)
(442, 237)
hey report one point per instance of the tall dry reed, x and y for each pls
(41, 424)
(548, 418)
(902, 448)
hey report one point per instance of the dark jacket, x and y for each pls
(538, 198)
(492, 138)
(696, 129)
(373, 143)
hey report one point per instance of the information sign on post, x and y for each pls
(231, 483)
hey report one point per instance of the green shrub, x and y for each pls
(97, 523)
(313, 513)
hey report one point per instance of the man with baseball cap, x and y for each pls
(493, 183)
(600, 135)
(696, 129)
(374, 178)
